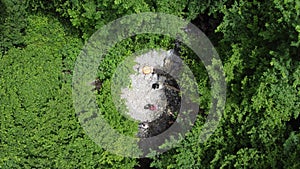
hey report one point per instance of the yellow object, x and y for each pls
(147, 70)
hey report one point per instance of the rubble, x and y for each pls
(153, 97)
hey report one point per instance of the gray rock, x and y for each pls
(141, 93)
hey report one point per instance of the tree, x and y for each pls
(261, 65)
(12, 24)
(39, 128)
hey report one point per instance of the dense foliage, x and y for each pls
(258, 42)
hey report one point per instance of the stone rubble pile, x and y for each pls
(153, 97)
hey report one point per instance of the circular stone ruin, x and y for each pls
(153, 96)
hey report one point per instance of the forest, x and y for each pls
(258, 43)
